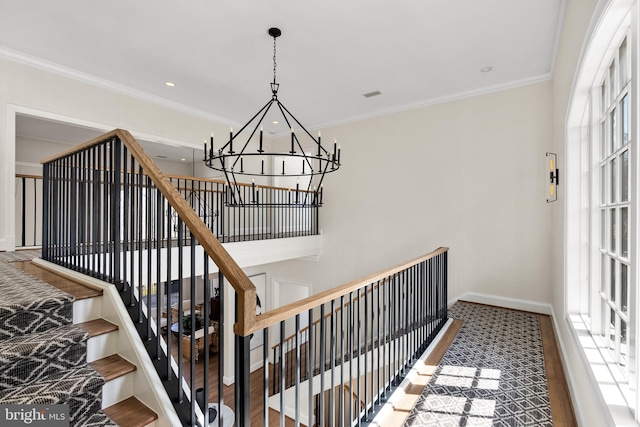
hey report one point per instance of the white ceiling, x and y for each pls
(415, 52)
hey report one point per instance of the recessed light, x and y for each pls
(184, 160)
(170, 84)
(374, 93)
(486, 69)
(275, 122)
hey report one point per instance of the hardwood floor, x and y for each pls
(256, 391)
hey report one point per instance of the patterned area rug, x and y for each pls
(493, 374)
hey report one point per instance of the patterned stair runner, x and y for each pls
(43, 357)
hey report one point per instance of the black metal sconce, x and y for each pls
(552, 186)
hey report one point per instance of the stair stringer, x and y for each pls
(147, 386)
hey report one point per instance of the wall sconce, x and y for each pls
(552, 186)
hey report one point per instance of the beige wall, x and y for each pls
(467, 174)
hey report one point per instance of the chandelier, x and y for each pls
(244, 153)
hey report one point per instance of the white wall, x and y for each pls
(467, 174)
(32, 91)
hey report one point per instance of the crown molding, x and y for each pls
(106, 84)
(510, 84)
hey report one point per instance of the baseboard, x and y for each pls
(228, 380)
(505, 302)
(577, 410)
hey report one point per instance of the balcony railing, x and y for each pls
(362, 339)
(28, 211)
(109, 212)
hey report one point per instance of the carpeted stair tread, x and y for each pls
(98, 419)
(80, 388)
(65, 284)
(24, 359)
(29, 305)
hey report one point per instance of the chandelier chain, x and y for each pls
(274, 60)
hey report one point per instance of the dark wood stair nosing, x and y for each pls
(113, 366)
(131, 413)
(97, 327)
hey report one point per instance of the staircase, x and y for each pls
(54, 349)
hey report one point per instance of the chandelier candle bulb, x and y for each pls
(211, 148)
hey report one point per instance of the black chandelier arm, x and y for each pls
(266, 106)
(264, 111)
(282, 107)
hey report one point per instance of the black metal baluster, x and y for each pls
(281, 372)
(332, 361)
(341, 394)
(221, 344)
(323, 337)
(310, 366)
(265, 377)
(297, 370)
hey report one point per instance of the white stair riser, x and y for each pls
(117, 390)
(87, 309)
(102, 346)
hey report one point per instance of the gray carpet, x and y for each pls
(493, 374)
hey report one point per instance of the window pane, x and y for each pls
(623, 343)
(624, 177)
(603, 228)
(612, 275)
(603, 185)
(623, 63)
(603, 282)
(624, 111)
(612, 82)
(603, 140)
(612, 230)
(624, 232)
(623, 288)
(612, 330)
(614, 131)
(603, 97)
(614, 175)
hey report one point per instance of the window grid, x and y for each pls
(615, 201)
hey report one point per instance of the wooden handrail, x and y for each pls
(233, 273)
(22, 175)
(279, 314)
(326, 316)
